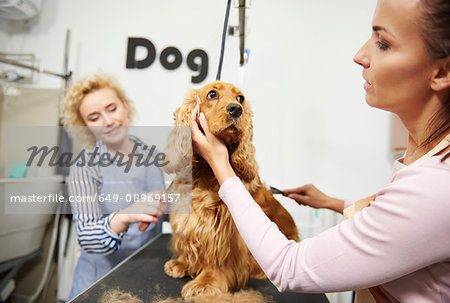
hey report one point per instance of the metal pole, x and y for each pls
(242, 31)
(40, 70)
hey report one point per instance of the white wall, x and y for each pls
(312, 124)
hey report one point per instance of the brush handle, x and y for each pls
(143, 226)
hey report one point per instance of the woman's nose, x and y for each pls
(108, 120)
(361, 57)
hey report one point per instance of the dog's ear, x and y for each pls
(243, 158)
(178, 149)
(182, 115)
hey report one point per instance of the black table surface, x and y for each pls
(142, 275)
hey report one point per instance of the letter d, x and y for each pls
(133, 43)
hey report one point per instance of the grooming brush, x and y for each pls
(276, 191)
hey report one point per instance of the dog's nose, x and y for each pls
(235, 110)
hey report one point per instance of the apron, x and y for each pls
(139, 180)
(367, 295)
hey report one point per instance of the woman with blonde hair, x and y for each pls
(98, 113)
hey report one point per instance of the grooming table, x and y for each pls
(142, 274)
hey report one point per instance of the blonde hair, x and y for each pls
(72, 119)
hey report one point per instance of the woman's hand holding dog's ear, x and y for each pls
(212, 149)
(309, 195)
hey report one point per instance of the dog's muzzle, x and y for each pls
(235, 110)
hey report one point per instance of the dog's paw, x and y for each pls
(194, 289)
(175, 269)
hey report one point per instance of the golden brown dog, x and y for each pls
(206, 243)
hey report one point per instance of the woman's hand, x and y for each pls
(212, 149)
(309, 195)
(120, 222)
(144, 211)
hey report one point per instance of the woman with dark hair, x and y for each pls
(398, 247)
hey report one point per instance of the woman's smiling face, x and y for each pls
(105, 115)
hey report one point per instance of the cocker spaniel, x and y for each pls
(206, 242)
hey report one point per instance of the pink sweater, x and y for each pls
(401, 242)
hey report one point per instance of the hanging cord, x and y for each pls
(224, 36)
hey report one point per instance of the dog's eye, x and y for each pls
(212, 95)
(240, 99)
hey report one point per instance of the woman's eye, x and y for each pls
(212, 95)
(382, 45)
(240, 99)
(93, 119)
(112, 108)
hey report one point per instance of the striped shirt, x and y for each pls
(94, 233)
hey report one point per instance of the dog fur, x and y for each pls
(206, 242)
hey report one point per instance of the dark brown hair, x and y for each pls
(435, 26)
